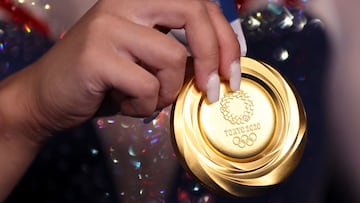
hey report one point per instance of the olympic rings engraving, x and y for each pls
(245, 140)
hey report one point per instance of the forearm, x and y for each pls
(19, 138)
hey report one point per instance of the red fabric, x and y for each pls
(20, 15)
(244, 5)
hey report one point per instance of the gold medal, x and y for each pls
(249, 140)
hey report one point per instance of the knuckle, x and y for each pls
(179, 54)
(167, 99)
(100, 21)
(196, 7)
(87, 62)
(210, 55)
(145, 110)
(213, 7)
(149, 89)
(145, 98)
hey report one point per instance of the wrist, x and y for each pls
(19, 116)
(21, 136)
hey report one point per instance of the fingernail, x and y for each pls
(213, 87)
(235, 75)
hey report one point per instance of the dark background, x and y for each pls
(71, 167)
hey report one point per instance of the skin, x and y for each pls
(113, 53)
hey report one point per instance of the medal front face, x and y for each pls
(249, 139)
(241, 124)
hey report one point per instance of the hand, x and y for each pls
(114, 51)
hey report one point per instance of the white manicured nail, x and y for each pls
(213, 87)
(235, 75)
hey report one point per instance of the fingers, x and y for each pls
(213, 44)
(148, 70)
(204, 46)
(200, 33)
(229, 48)
(134, 88)
(212, 41)
(162, 55)
(193, 16)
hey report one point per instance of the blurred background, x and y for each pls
(121, 159)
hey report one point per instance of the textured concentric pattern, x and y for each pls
(248, 140)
